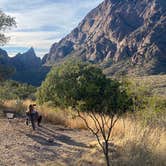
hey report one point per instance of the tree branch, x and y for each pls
(91, 129)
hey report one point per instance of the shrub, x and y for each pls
(13, 90)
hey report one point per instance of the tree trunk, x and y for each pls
(106, 153)
(107, 159)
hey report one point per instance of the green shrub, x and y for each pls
(14, 90)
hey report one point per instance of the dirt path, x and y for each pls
(20, 146)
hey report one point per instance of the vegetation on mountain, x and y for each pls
(6, 72)
(149, 98)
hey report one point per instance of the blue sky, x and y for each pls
(40, 23)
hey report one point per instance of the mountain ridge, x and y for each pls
(27, 66)
(117, 30)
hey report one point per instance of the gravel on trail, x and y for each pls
(21, 146)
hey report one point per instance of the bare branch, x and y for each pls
(103, 125)
(113, 122)
(91, 116)
(101, 129)
(91, 129)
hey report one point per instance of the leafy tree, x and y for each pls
(87, 90)
(6, 22)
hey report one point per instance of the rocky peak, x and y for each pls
(27, 66)
(29, 54)
(26, 60)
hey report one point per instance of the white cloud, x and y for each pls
(36, 39)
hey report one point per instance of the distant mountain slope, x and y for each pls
(28, 67)
(123, 36)
(27, 60)
(5, 69)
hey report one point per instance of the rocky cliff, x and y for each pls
(120, 35)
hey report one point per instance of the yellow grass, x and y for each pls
(131, 144)
(134, 144)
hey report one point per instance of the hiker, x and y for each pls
(33, 116)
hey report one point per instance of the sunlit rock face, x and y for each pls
(117, 30)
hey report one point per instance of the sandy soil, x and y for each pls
(20, 146)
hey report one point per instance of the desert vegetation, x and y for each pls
(16, 90)
(138, 137)
(131, 142)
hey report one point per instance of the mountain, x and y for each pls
(27, 67)
(27, 60)
(122, 36)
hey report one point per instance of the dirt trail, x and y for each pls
(20, 146)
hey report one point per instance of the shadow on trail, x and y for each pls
(66, 139)
(42, 140)
(45, 133)
(62, 137)
(57, 129)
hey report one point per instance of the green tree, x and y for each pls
(87, 90)
(6, 22)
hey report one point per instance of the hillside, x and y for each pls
(156, 84)
(123, 36)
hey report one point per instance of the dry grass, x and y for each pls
(133, 144)
(56, 116)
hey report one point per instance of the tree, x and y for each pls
(6, 22)
(87, 90)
